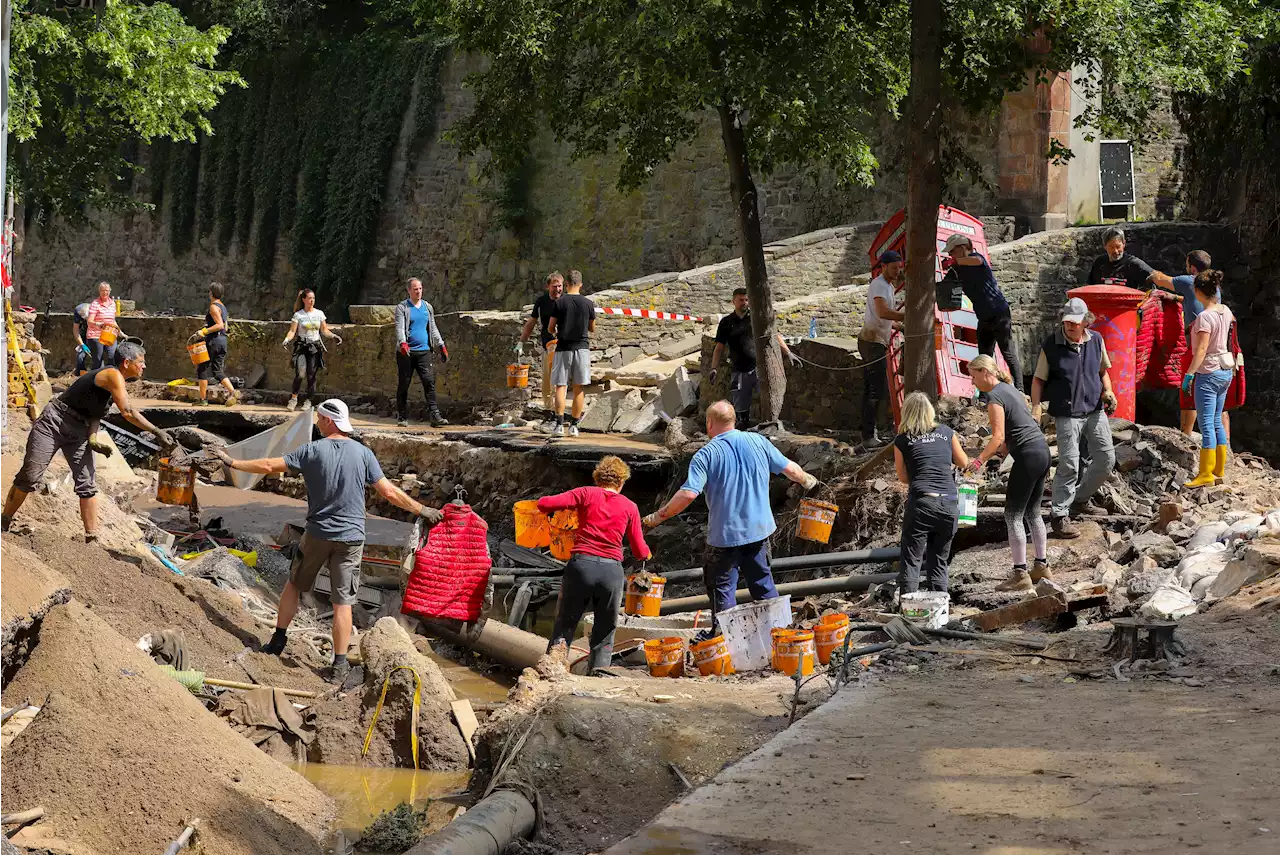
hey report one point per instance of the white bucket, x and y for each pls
(746, 629)
(968, 504)
(930, 608)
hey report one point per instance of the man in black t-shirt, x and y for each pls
(1118, 264)
(543, 308)
(734, 332)
(573, 319)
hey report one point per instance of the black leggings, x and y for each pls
(307, 361)
(928, 527)
(1022, 503)
(417, 362)
(592, 583)
(999, 331)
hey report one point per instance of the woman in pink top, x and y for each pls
(593, 578)
(1211, 369)
(102, 313)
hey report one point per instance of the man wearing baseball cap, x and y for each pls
(336, 470)
(995, 321)
(873, 344)
(1071, 377)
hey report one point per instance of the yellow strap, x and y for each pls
(15, 355)
(413, 721)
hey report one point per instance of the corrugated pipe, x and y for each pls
(488, 828)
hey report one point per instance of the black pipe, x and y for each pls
(833, 585)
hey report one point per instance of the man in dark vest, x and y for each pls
(1071, 378)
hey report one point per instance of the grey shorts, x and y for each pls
(571, 368)
(59, 428)
(342, 559)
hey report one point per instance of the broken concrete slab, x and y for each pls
(647, 418)
(627, 410)
(1020, 612)
(679, 393)
(604, 409)
(1257, 562)
(683, 347)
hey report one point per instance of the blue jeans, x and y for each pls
(1211, 397)
(721, 566)
(102, 356)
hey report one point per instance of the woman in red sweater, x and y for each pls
(593, 578)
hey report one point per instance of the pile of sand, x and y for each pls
(122, 756)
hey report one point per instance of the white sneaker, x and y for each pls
(573, 430)
(306, 405)
(553, 428)
(292, 405)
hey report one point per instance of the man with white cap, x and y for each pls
(1071, 378)
(995, 321)
(336, 470)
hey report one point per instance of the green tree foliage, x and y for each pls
(800, 82)
(84, 85)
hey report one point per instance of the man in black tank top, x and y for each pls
(67, 424)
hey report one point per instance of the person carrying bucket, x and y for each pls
(733, 471)
(307, 333)
(214, 336)
(68, 423)
(593, 578)
(543, 309)
(923, 454)
(1012, 424)
(100, 327)
(416, 339)
(1212, 367)
(336, 469)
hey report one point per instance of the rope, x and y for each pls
(413, 722)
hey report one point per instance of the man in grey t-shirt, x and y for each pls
(336, 470)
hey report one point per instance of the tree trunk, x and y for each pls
(924, 193)
(773, 381)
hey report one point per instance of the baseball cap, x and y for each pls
(956, 240)
(1075, 310)
(889, 256)
(336, 411)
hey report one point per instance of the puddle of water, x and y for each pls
(363, 792)
(473, 685)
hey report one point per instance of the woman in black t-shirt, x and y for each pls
(1012, 424)
(923, 453)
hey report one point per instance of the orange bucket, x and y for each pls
(198, 352)
(665, 656)
(533, 529)
(563, 530)
(712, 656)
(794, 651)
(776, 635)
(107, 336)
(829, 634)
(517, 376)
(641, 602)
(177, 484)
(816, 519)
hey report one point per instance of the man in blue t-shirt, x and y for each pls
(995, 321)
(335, 469)
(417, 337)
(733, 471)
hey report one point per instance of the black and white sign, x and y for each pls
(1115, 173)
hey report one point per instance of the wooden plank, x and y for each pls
(467, 723)
(1020, 612)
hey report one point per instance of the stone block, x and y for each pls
(627, 411)
(679, 394)
(630, 354)
(1257, 562)
(648, 418)
(603, 410)
(372, 315)
(681, 347)
(1021, 612)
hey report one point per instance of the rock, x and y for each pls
(683, 347)
(375, 315)
(680, 431)
(1128, 458)
(1144, 576)
(1169, 512)
(1257, 561)
(627, 411)
(603, 410)
(630, 354)
(1108, 573)
(255, 375)
(679, 393)
(1148, 541)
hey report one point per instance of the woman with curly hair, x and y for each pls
(593, 578)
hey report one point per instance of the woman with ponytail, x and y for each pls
(305, 335)
(1013, 425)
(1210, 372)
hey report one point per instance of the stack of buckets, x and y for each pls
(798, 648)
(666, 656)
(535, 530)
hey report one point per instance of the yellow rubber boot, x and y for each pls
(1220, 463)
(1208, 457)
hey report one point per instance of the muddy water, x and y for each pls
(363, 792)
(471, 684)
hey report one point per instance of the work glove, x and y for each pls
(809, 482)
(795, 361)
(285, 344)
(85, 347)
(431, 516)
(404, 348)
(194, 337)
(167, 443)
(1188, 380)
(715, 372)
(948, 262)
(651, 521)
(337, 341)
(444, 353)
(100, 447)
(1109, 403)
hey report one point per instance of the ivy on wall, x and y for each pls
(299, 161)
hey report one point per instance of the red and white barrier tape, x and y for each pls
(647, 313)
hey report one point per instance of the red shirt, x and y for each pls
(603, 518)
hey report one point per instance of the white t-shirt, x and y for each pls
(308, 324)
(874, 327)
